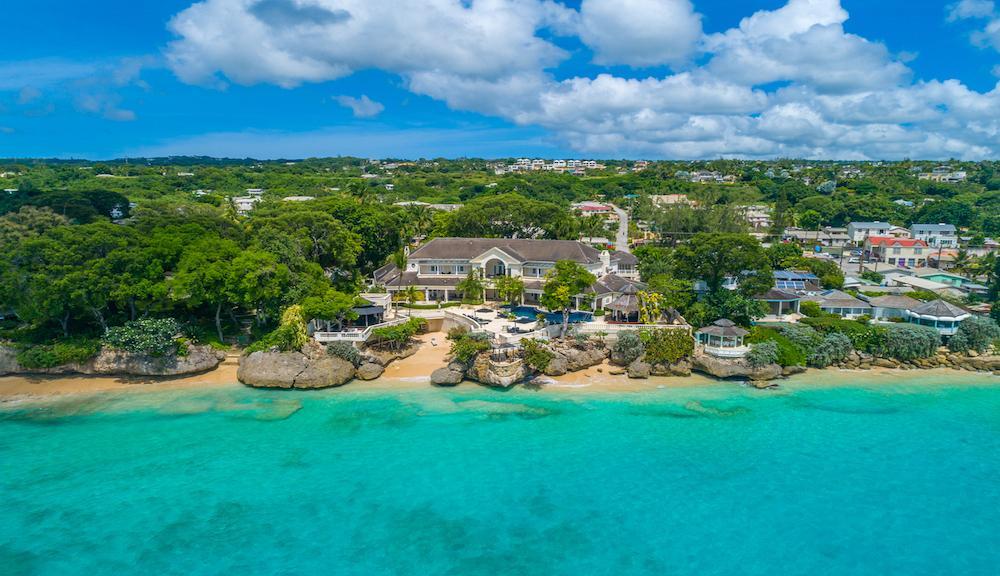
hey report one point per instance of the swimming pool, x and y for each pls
(532, 312)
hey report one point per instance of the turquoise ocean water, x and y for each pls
(902, 478)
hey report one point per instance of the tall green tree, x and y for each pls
(715, 257)
(203, 276)
(562, 284)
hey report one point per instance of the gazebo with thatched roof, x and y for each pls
(625, 308)
(723, 338)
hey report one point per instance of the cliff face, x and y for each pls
(119, 362)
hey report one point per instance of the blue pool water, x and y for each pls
(894, 479)
(555, 317)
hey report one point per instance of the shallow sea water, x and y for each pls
(895, 478)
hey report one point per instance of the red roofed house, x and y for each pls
(900, 252)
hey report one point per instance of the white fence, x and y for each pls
(355, 335)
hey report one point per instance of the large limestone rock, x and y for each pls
(733, 368)
(386, 357)
(325, 372)
(557, 367)
(680, 368)
(447, 377)
(109, 361)
(369, 371)
(264, 369)
(121, 363)
(8, 361)
(639, 370)
(498, 374)
(577, 359)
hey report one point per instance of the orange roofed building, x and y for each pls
(899, 252)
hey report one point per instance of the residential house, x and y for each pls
(944, 174)
(436, 268)
(836, 237)
(943, 316)
(902, 252)
(672, 200)
(796, 281)
(780, 303)
(892, 307)
(900, 232)
(936, 235)
(859, 231)
(244, 204)
(758, 216)
(840, 303)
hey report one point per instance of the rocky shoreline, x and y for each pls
(313, 367)
(111, 362)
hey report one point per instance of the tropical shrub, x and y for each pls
(399, 335)
(627, 348)
(788, 353)
(910, 341)
(536, 356)
(763, 354)
(666, 346)
(59, 353)
(858, 332)
(344, 351)
(832, 349)
(289, 335)
(804, 337)
(465, 347)
(153, 336)
(974, 333)
(810, 309)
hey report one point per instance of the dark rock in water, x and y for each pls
(369, 371)
(447, 377)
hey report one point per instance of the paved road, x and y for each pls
(621, 238)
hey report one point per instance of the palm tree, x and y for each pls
(398, 259)
(962, 262)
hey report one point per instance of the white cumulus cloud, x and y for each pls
(784, 82)
(640, 32)
(363, 107)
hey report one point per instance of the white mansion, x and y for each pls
(437, 267)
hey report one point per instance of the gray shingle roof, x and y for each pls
(940, 309)
(933, 228)
(524, 250)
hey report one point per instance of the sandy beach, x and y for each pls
(414, 372)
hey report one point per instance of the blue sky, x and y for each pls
(599, 78)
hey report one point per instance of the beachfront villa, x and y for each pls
(780, 303)
(939, 314)
(723, 339)
(840, 303)
(437, 268)
(892, 307)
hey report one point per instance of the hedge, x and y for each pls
(57, 354)
(788, 353)
(666, 346)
